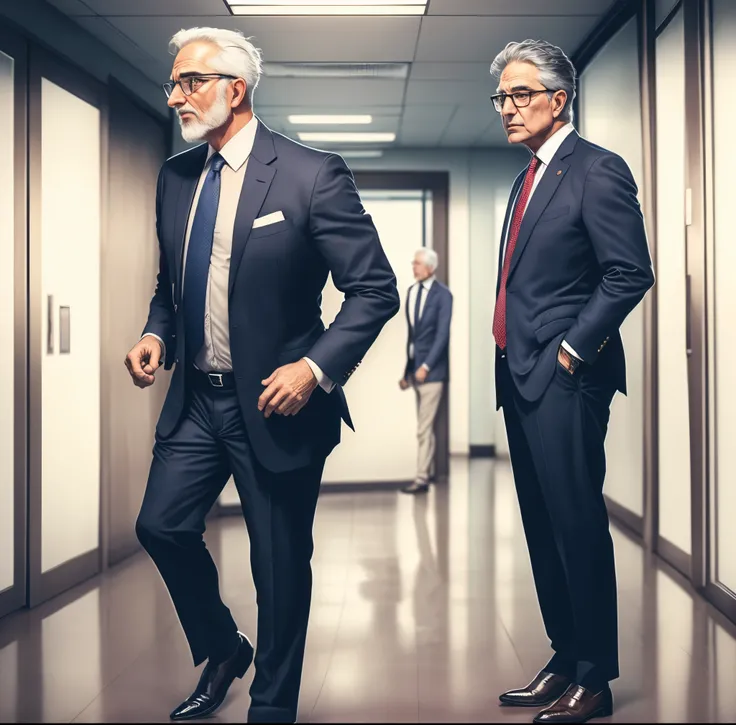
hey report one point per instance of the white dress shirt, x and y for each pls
(545, 155)
(412, 302)
(215, 353)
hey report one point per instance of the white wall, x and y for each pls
(609, 77)
(479, 184)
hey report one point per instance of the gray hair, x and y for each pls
(430, 257)
(239, 57)
(556, 70)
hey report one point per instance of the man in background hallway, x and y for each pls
(249, 225)
(428, 316)
(573, 263)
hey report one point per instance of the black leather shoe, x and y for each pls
(544, 689)
(416, 487)
(215, 682)
(578, 705)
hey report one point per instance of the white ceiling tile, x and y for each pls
(457, 92)
(468, 123)
(338, 93)
(450, 71)
(424, 125)
(292, 39)
(473, 39)
(158, 7)
(281, 110)
(519, 7)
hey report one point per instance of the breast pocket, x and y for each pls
(270, 229)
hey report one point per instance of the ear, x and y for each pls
(558, 102)
(239, 93)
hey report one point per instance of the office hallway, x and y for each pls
(423, 611)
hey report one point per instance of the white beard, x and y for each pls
(193, 130)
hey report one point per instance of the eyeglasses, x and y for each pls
(520, 99)
(191, 84)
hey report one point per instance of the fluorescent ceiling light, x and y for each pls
(327, 7)
(336, 70)
(347, 137)
(361, 154)
(339, 120)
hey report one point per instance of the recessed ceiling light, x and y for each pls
(361, 154)
(327, 7)
(338, 120)
(328, 137)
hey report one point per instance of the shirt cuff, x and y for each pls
(163, 345)
(571, 351)
(324, 382)
(425, 366)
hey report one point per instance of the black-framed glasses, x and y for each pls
(191, 84)
(520, 99)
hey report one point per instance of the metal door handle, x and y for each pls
(65, 343)
(50, 330)
(688, 330)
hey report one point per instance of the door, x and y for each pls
(13, 322)
(66, 120)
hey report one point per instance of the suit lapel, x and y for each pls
(543, 194)
(258, 178)
(187, 188)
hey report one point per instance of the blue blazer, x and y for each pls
(277, 274)
(431, 337)
(580, 265)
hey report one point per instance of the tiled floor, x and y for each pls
(423, 611)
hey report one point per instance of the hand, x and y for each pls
(143, 361)
(565, 359)
(288, 389)
(421, 375)
(403, 383)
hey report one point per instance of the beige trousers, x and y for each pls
(428, 402)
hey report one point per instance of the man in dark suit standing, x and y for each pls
(573, 263)
(428, 317)
(249, 226)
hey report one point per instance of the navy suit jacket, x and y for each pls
(580, 265)
(431, 337)
(277, 274)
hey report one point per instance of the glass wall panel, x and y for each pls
(673, 411)
(7, 320)
(610, 80)
(724, 340)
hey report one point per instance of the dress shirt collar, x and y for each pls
(427, 283)
(237, 150)
(552, 145)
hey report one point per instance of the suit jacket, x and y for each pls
(277, 274)
(431, 336)
(580, 265)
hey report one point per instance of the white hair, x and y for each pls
(239, 57)
(430, 257)
(556, 70)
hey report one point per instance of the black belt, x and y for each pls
(222, 381)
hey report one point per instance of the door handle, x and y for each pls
(65, 343)
(50, 325)
(688, 326)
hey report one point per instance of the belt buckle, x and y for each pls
(216, 380)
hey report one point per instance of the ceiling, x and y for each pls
(443, 100)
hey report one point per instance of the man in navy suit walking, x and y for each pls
(573, 263)
(428, 316)
(249, 225)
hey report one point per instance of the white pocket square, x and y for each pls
(276, 216)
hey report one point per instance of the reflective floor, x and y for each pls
(423, 611)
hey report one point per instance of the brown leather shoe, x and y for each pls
(578, 705)
(544, 689)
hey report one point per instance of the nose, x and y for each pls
(508, 108)
(177, 98)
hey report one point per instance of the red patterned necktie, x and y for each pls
(499, 316)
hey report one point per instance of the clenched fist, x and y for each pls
(143, 361)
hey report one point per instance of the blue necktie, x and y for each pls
(199, 252)
(417, 307)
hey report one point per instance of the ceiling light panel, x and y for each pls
(330, 120)
(346, 137)
(327, 7)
